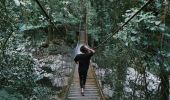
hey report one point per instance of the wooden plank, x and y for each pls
(84, 98)
(91, 89)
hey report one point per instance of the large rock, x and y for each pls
(52, 71)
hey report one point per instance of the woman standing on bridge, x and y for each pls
(83, 60)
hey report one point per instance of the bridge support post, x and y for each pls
(82, 40)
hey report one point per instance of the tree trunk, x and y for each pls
(121, 69)
(164, 92)
(164, 80)
(50, 33)
(145, 83)
(84, 18)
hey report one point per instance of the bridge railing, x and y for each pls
(98, 83)
(65, 90)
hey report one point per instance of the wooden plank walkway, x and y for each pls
(91, 91)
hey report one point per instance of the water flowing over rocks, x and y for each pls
(133, 77)
(53, 70)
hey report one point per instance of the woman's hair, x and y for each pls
(83, 49)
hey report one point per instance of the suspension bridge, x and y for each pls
(93, 90)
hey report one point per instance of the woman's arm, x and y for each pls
(89, 49)
(76, 60)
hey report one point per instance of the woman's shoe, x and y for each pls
(82, 91)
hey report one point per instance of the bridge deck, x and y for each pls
(91, 91)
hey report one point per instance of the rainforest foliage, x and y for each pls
(142, 44)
